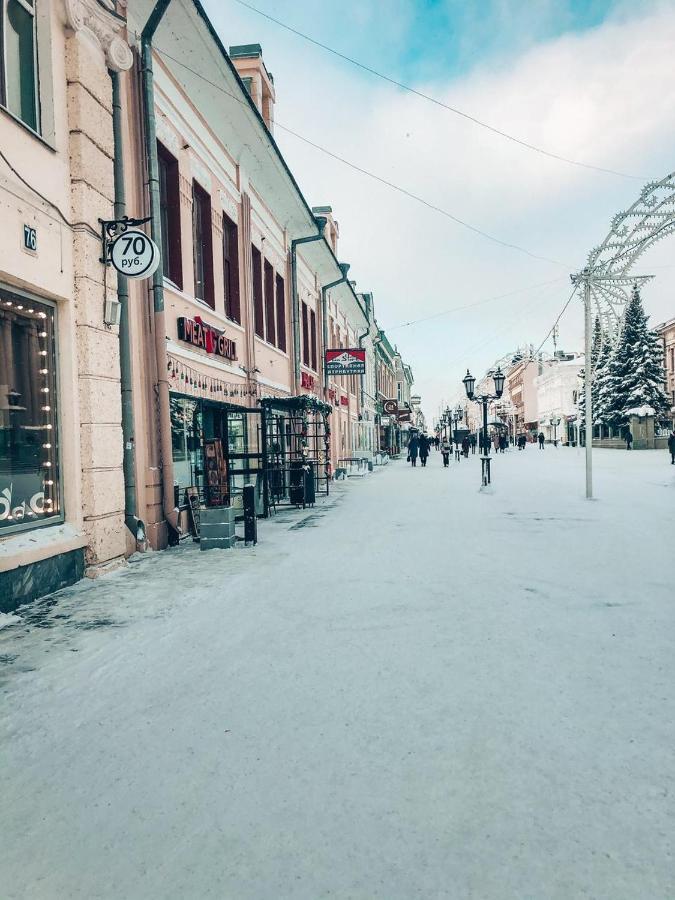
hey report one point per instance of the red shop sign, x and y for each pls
(344, 401)
(307, 381)
(201, 334)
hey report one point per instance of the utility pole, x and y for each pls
(588, 382)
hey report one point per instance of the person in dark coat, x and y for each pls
(541, 440)
(629, 439)
(671, 447)
(465, 445)
(413, 449)
(502, 443)
(473, 444)
(424, 449)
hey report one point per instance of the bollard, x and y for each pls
(250, 520)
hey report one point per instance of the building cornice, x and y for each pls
(97, 19)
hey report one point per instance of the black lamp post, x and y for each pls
(555, 421)
(484, 399)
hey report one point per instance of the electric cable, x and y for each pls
(373, 175)
(436, 101)
(74, 226)
(453, 309)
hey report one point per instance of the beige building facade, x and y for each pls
(61, 485)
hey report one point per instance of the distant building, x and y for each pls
(557, 397)
(667, 332)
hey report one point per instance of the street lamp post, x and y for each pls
(483, 399)
(457, 414)
(555, 421)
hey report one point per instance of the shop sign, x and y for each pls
(134, 254)
(331, 394)
(200, 334)
(390, 407)
(404, 415)
(307, 381)
(346, 362)
(344, 401)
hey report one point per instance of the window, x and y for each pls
(29, 452)
(312, 336)
(169, 209)
(305, 334)
(202, 244)
(258, 311)
(281, 314)
(18, 58)
(231, 269)
(270, 330)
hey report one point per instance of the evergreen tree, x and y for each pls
(595, 352)
(599, 382)
(634, 375)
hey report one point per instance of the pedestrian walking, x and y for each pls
(438, 441)
(671, 447)
(502, 443)
(629, 439)
(424, 449)
(446, 448)
(413, 449)
(541, 440)
(473, 444)
(465, 446)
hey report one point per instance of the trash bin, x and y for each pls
(297, 482)
(310, 485)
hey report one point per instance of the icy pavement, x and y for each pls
(424, 691)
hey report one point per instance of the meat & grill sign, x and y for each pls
(200, 334)
(346, 362)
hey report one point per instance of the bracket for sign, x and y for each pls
(111, 229)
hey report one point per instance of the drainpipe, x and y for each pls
(362, 378)
(344, 268)
(168, 502)
(320, 224)
(133, 523)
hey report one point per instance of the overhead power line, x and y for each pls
(453, 109)
(453, 309)
(372, 175)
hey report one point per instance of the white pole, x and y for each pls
(588, 383)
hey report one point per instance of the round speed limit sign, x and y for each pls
(134, 254)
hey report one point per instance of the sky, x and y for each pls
(590, 81)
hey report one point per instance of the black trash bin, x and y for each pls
(297, 483)
(310, 485)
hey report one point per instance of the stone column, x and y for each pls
(94, 46)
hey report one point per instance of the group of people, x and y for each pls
(419, 446)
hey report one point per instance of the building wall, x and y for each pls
(61, 184)
(667, 332)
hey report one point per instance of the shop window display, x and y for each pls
(29, 458)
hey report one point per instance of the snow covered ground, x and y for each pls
(418, 690)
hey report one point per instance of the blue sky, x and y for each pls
(430, 39)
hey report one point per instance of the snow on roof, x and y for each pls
(641, 411)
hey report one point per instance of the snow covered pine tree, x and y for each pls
(634, 376)
(597, 343)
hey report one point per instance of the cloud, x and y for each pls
(600, 96)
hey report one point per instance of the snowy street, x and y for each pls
(414, 690)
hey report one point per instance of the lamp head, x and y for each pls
(469, 384)
(499, 379)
